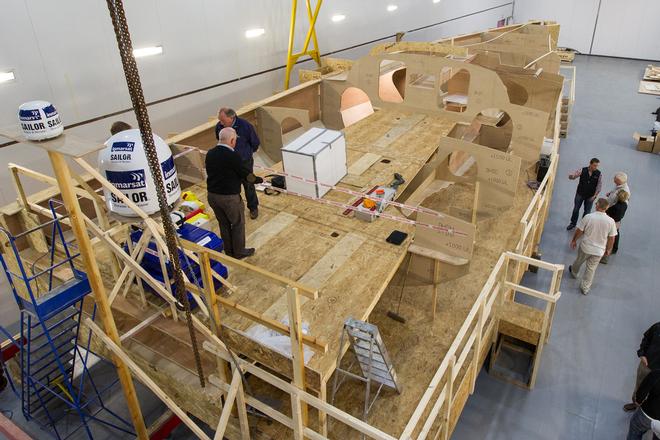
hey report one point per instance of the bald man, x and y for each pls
(225, 173)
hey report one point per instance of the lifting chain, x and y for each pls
(116, 8)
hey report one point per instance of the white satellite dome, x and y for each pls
(39, 120)
(124, 164)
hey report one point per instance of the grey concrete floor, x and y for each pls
(588, 367)
(587, 370)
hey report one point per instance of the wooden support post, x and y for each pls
(477, 354)
(450, 396)
(436, 283)
(140, 249)
(229, 404)
(297, 353)
(214, 311)
(63, 176)
(241, 407)
(22, 198)
(475, 204)
(323, 417)
(297, 414)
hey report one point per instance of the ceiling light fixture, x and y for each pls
(7, 76)
(338, 17)
(436, 1)
(392, 8)
(147, 51)
(254, 33)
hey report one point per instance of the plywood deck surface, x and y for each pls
(348, 260)
(355, 271)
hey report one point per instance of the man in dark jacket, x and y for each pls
(588, 188)
(247, 144)
(649, 359)
(225, 173)
(647, 398)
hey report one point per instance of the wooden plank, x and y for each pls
(297, 352)
(9, 430)
(143, 377)
(65, 144)
(363, 163)
(270, 229)
(229, 403)
(63, 175)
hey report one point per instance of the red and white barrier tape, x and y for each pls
(446, 230)
(354, 193)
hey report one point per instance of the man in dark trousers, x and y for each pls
(647, 398)
(225, 172)
(649, 359)
(246, 145)
(588, 188)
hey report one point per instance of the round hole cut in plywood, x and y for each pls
(355, 106)
(392, 81)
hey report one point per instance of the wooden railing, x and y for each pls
(472, 338)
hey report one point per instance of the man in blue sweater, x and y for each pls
(247, 143)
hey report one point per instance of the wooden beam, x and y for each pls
(214, 311)
(229, 403)
(145, 379)
(63, 176)
(297, 349)
(9, 430)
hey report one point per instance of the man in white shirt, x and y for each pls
(597, 231)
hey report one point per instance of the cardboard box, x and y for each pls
(645, 143)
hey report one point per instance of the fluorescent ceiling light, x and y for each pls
(254, 33)
(392, 8)
(436, 1)
(338, 17)
(147, 51)
(7, 76)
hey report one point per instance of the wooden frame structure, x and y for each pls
(454, 380)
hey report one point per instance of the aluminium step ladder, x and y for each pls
(56, 383)
(373, 360)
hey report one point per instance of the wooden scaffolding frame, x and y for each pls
(446, 394)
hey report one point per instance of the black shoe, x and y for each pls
(254, 213)
(570, 270)
(248, 252)
(603, 260)
(570, 227)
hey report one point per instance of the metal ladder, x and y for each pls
(372, 357)
(55, 375)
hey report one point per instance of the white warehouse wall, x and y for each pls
(620, 28)
(66, 52)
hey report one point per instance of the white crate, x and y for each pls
(318, 154)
